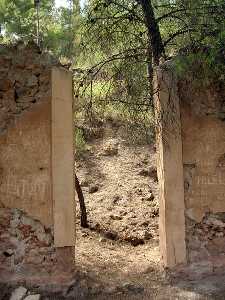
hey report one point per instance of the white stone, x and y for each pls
(33, 297)
(18, 293)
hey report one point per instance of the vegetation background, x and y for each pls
(112, 47)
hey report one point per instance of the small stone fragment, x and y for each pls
(144, 173)
(139, 191)
(133, 288)
(111, 290)
(153, 173)
(93, 188)
(110, 234)
(102, 240)
(84, 182)
(150, 197)
(135, 241)
(147, 235)
(110, 148)
(33, 297)
(18, 293)
(115, 217)
(116, 199)
(155, 212)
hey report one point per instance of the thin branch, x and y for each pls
(169, 14)
(179, 32)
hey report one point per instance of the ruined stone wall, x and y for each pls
(25, 96)
(24, 80)
(36, 166)
(203, 139)
(192, 208)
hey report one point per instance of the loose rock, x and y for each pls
(93, 188)
(110, 148)
(33, 297)
(19, 293)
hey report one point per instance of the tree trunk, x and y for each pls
(83, 212)
(153, 30)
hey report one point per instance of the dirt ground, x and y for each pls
(119, 183)
(121, 248)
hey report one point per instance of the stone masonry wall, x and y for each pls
(27, 245)
(203, 139)
(25, 116)
(24, 80)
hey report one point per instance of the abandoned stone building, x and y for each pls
(37, 205)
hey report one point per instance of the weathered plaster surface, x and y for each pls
(203, 153)
(170, 171)
(25, 131)
(25, 153)
(204, 172)
(63, 158)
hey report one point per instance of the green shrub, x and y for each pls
(79, 141)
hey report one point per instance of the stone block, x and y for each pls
(170, 170)
(33, 297)
(19, 293)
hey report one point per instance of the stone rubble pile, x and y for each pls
(25, 244)
(206, 240)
